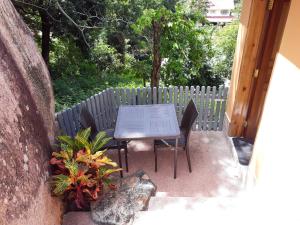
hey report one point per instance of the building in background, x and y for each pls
(220, 11)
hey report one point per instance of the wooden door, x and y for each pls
(269, 45)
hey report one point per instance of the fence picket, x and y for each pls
(202, 97)
(103, 111)
(61, 122)
(176, 100)
(159, 95)
(222, 113)
(218, 106)
(143, 95)
(75, 111)
(123, 97)
(108, 109)
(206, 108)
(165, 101)
(181, 104)
(117, 96)
(212, 109)
(186, 96)
(94, 111)
(171, 95)
(128, 96)
(146, 99)
(99, 109)
(154, 95)
(112, 105)
(196, 97)
(133, 96)
(138, 102)
(149, 94)
(67, 123)
(89, 106)
(192, 94)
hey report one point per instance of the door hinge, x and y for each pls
(270, 5)
(255, 74)
(245, 124)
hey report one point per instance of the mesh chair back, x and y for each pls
(87, 120)
(189, 116)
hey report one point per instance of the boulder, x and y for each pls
(118, 207)
(26, 126)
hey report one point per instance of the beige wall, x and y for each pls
(276, 159)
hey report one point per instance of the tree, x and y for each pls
(62, 18)
(224, 40)
(179, 41)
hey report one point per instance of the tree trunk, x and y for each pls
(155, 74)
(46, 27)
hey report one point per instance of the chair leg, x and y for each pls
(120, 159)
(126, 158)
(188, 157)
(155, 155)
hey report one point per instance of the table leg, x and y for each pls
(126, 158)
(175, 158)
(120, 158)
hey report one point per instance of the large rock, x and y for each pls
(26, 126)
(119, 207)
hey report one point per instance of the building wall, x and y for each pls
(275, 163)
(219, 11)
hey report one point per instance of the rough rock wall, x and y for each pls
(26, 127)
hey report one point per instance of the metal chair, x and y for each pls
(87, 120)
(189, 117)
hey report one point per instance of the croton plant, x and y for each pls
(81, 169)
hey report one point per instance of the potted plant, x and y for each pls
(81, 170)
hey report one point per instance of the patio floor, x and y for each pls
(215, 171)
(208, 194)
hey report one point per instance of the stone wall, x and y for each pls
(26, 127)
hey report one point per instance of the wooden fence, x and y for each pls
(210, 101)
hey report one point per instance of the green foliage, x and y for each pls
(117, 51)
(80, 169)
(224, 46)
(105, 56)
(185, 43)
(70, 90)
(75, 78)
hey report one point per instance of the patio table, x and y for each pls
(136, 122)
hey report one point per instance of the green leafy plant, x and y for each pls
(180, 42)
(81, 170)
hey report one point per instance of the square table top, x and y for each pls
(156, 121)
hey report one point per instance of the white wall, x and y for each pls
(276, 159)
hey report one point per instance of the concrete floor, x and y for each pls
(208, 194)
(215, 171)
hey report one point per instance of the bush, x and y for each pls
(80, 169)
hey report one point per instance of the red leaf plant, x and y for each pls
(81, 169)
